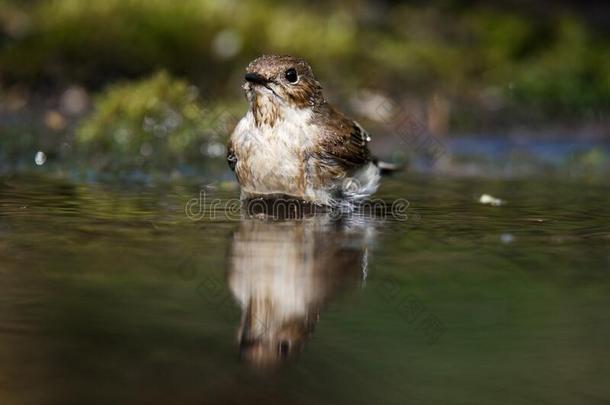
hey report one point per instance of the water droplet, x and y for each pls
(146, 149)
(226, 44)
(74, 100)
(215, 149)
(148, 124)
(490, 200)
(507, 238)
(122, 136)
(40, 158)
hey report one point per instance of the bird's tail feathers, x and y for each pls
(388, 168)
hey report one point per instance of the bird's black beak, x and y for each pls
(256, 78)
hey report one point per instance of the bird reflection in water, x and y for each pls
(283, 267)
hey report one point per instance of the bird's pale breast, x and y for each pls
(271, 159)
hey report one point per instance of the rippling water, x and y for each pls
(113, 294)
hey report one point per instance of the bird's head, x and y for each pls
(275, 83)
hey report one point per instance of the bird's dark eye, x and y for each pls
(291, 75)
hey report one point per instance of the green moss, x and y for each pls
(158, 119)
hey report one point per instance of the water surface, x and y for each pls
(112, 294)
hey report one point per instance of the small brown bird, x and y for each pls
(292, 142)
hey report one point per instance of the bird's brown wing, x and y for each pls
(344, 142)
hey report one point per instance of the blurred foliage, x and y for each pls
(158, 120)
(167, 74)
(485, 60)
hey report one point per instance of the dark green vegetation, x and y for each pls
(550, 60)
(153, 85)
(112, 295)
(499, 58)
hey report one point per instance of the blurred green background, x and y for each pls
(155, 84)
